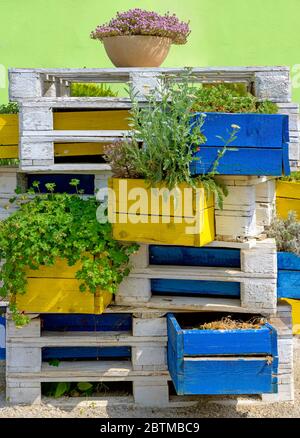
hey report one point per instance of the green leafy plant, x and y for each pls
(50, 226)
(164, 140)
(9, 108)
(230, 99)
(91, 90)
(286, 232)
(293, 177)
(81, 389)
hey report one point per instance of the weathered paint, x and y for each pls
(288, 282)
(287, 198)
(2, 338)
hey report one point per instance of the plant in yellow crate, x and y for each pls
(58, 257)
(288, 195)
(156, 160)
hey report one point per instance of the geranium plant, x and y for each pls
(50, 226)
(140, 22)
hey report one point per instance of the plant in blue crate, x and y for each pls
(139, 38)
(156, 158)
(286, 232)
(222, 356)
(261, 147)
(58, 257)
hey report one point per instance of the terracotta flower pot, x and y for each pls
(137, 50)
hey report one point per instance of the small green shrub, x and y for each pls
(286, 232)
(50, 226)
(293, 177)
(9, 108)
(92, 90)
(230, 99)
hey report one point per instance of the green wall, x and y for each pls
(55, 33)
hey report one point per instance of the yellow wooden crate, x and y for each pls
(72, 120)
(295, 315)
(142, 223)
(287, 198)
(54, 289)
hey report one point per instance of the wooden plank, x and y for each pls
(237, 375)
(85, 353)
(288, 189)
(91, 120)
(288, 285)
(239, 161)
(195, 288)
(2, 338)
(256, 130)
(187, 256)
(76, 167)
(285, 205)
(88, 323)
(9, 152)
(288, 261)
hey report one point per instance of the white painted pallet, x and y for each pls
(39, 91)
(257, 278)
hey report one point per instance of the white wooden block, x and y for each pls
(275, 86)
(32, 329)
(236, 226)
(261, 259)
(140, 259)
(151, 395)
(149, 326)
(143, 83)
(35, 119)
(24, 85)
(36, 151)
(23, 393)
(23, 359)
(259, 295)
(134, 288)
(149, 358)
(266, 192)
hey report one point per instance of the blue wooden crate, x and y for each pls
(2, 338)
(261, 147)
(222, 362)
(192, 256)
(288, 282)
(119, 322)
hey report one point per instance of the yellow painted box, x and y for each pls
(139, 213)
(54, 289)
(287, 198)
(69, 120)
(295, 304)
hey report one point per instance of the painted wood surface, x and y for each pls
(2, 338)
(88, 323)
(222, 362)
(62, 182)
(134, 220)
(295, 304)
(261, 147)
(54, 289)
(63, 353)
(70, 120)
(287, 198)
(288, 281)
(185, 256)
(195, 288)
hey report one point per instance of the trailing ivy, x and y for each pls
(50, 226)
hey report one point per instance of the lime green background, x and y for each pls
(55, 33)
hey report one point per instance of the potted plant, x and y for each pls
(139, 38)
(288, 195)
(58, 257)
(261, 148)
(286, 232)
(153, 197)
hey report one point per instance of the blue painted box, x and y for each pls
(192, 256)
(261, 147)
(222, 362)
(288, 283)
(2, 338)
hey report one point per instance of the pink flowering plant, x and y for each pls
(141, 22)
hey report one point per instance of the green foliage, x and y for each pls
(54, 362)
(92, 90)
(293, 177)
(61, 389)
(286, 232)
(163, 126)
(52, 226)
(9, 108)
(230, 99)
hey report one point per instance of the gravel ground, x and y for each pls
(204, 409)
